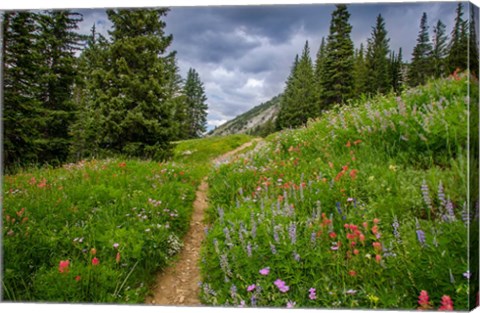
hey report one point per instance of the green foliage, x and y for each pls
(340, 206)
(61, 214)
(473, 42)
(457, 56)
(337, 81)
(195, 107)
(376, 60)
(421, 68)
(439, 51)
(299, 98)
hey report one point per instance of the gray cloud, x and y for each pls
(244, 54)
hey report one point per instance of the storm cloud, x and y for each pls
(244, 54)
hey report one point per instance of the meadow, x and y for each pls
(98, 230)
(365, 207)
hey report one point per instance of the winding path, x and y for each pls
(178, 284)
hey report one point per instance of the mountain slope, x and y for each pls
(255, 121)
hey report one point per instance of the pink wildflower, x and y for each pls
(95, 261)
(63, 266)
(251, 288)
(265, 271)
(447, 304)
(423, 300)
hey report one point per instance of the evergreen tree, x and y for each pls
(320, 58)
(287, 100)
(136, 87)
(396, 71)
(21, 106)
(458, 46)
(337, 80)
(421, 66)
(376, 59)
(196, 108)
(473, 43)
(439, 49)
(58, 42)
(299, 104)
(360, 72)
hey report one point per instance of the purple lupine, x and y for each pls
(221, 213)
(296, 256)
(273, 249)
(441, 194)
(254, 230)
(467, 274)
(292, 232)
(233, 291)
(421, 236)
(249, 249)
(426, 194)
(313, 237)
(396, 231)
(275, 233)
(253, 300)
(226, 232)
(449, 209)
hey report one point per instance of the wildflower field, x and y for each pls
(97, 231)
(365, 208)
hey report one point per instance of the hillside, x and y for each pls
(252, 122)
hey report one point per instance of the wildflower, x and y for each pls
(348, 145)
(313, 237)
(122, 164)
(447, 304)
(377, 246)
(63, 266)
(334, 248)
(296, 256)
(352, 273)
(312, 294)
(351, 292)
(349, 199)
(93, 251)
(233, 291)
(356, 142)
(426, 194)
(375, 229)
(115, 245)
(251, 288)
(378, 258)
(273, 249)
(292, 232)
(423, 300)
(95, 261)
(290, 304)
(332, 235)
(265, 271)
(249, 249)
(441, 194)
(361, 237)
(467, 274)
(356, 252)
(353, 173)
(117, 258)
(281, 285)
(421, 236)
(376, 221)
(242, 304)
(393, 168)
(78, 277)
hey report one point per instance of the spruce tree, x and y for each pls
(59, 42)
(360, 72)
(21, 105)
(299, 103)
(196, 108)
(318, 71)
(396, 71)
(376, 59)
(421, 66)
(337, 82)
(473, 43)
(135, 95)
(458, 46)
(439, 51)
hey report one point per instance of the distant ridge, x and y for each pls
(258, 121)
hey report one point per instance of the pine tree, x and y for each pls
(59, 43)
(299, 103)
(458, 46)
(287, 100)
(196, 108)
(360, 72)
(137, 86)
(396, 71)
(21, 106)
(421, 67)
(376, 59)
(473, 43)
(318, 71)
(337, 80)
(439, 49)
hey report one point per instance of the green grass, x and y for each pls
(54, 215)
(340, 206)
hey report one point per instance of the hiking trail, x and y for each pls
(178, 283)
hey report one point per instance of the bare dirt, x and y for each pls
(178, 284)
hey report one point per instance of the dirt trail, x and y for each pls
(178, 284)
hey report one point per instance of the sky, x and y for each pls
(244, 54)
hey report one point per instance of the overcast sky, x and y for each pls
(244, 54)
